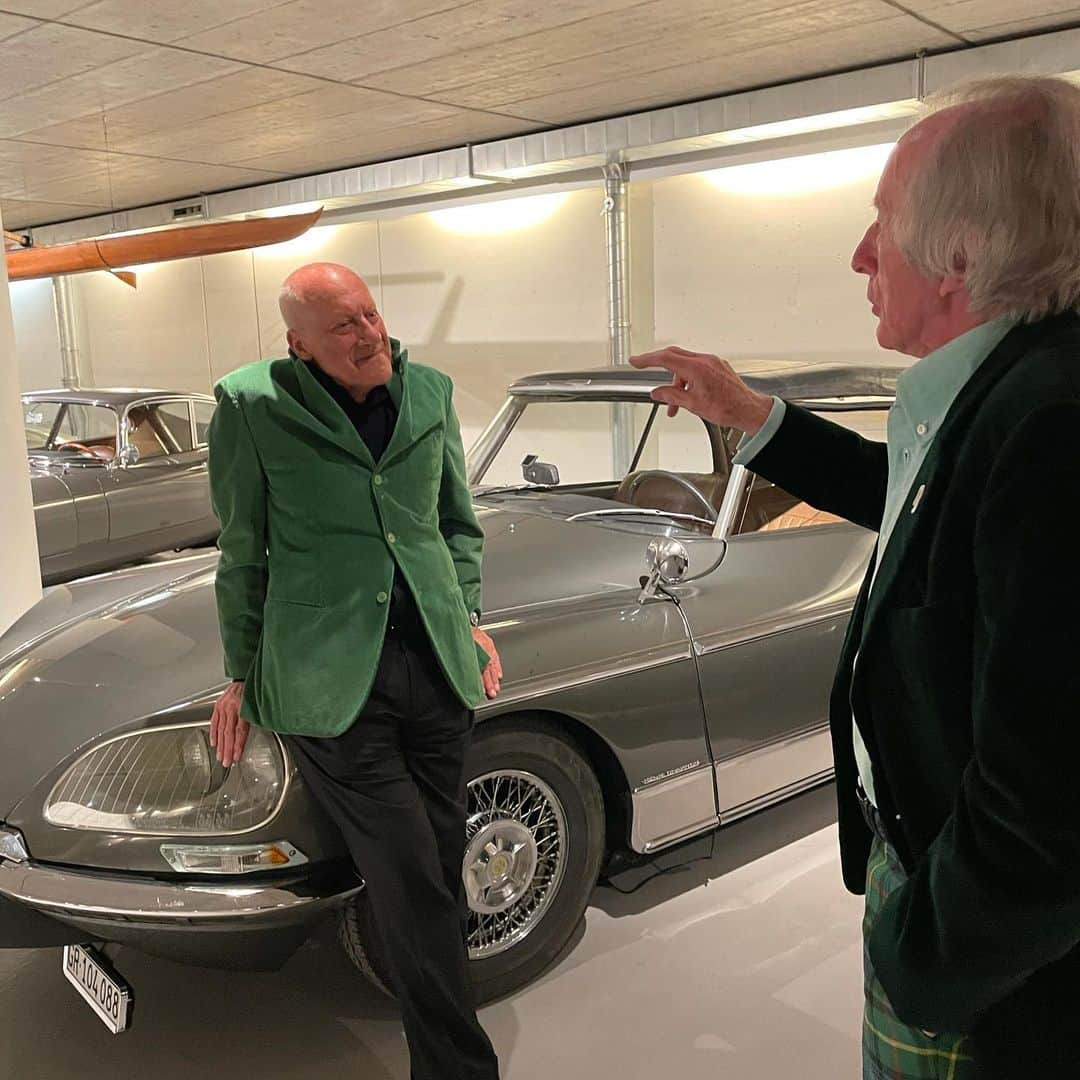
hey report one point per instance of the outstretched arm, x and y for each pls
(822, 463)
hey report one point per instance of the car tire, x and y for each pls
(549, 768)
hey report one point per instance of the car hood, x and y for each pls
(97, 653)
(106, 652)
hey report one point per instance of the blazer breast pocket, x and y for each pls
(427, 450)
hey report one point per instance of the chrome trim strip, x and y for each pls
(781, 625)
(777, 797)
(638, 511)
(738, 481)
(641, 390)
(665, 813)
(753, 778)
(557, 390)
(77, 894)
(538, 689)
(490, 441)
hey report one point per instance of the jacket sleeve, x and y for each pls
(238, 496)
(826, 465)
(457, 519)
(998, 894)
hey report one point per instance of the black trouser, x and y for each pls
(394, 784)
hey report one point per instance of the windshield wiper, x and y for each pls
(509, 488)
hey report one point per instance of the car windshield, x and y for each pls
(69, 426)
(605, 458)
(596, 442)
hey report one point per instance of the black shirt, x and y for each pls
(374, 419)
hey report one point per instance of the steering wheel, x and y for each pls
(711, 512)
(76, 446)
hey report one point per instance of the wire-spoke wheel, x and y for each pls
(533, 845)
(514, 858)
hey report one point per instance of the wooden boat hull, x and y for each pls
(184, 242)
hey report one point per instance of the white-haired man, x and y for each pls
(954, 709)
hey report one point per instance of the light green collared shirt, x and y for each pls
(924, 394)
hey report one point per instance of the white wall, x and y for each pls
(37, 343)
(753, 261)
(488, 305)
(748, 261)
(512, 287)
(154, 335)
(18, 540)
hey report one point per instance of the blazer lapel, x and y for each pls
(923, 499)
(327, 417)
(398, 387)
(415, 416)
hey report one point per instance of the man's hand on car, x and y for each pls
(493, 672)
(708, 387)
(228, 730)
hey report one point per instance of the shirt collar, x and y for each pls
(927, 389)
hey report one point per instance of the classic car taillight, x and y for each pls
(168, 780)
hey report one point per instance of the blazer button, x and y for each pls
(378, 479)
(391, 538)
(382, 598)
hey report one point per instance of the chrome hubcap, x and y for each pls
(514, 858)
(500, 864)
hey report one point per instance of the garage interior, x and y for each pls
(526, 188)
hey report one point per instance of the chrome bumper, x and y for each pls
(82, 895)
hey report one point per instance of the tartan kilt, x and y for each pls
(891, 1050)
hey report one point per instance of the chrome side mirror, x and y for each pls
(539, 472)
(128, 456)
(668, 562)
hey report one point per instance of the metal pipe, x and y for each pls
(618, 272)
(67, 328)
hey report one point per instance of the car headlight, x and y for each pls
(168, 780)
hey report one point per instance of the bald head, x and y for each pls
(312, 285)
(332, 321)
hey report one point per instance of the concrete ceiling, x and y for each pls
(112, 104)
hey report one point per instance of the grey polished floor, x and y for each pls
(737, 960)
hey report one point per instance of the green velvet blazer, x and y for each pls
(311, 530)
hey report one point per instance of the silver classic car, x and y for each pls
(668, 624)
(116, 475)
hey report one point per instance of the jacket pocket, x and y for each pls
(314, 600)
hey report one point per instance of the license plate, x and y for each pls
(101, 987)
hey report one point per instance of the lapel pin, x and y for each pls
(918, 498)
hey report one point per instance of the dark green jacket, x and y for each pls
(311, 528)
(966, 690)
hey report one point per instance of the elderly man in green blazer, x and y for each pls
(349, 600)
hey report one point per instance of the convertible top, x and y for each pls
(115, 397)
(800, 382)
